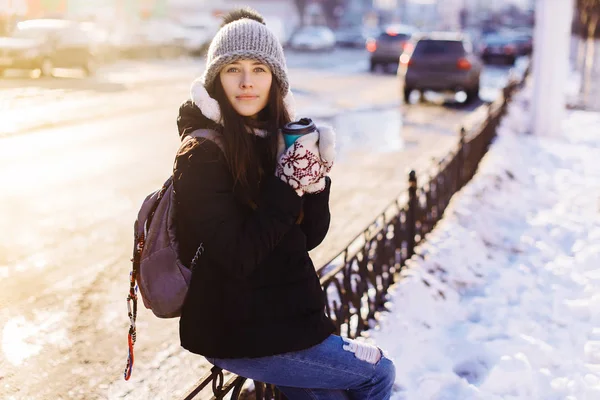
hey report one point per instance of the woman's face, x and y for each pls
(246, 84)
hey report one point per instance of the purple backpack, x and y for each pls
(161, 276)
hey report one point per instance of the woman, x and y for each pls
(255, 305)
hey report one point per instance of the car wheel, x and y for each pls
(472, 95)
(46, 67)
(407, 92)
(391, 68)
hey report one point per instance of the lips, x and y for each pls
(246, 97)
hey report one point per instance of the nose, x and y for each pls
(246, 82)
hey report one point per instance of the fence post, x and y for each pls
(411, 218)
(507, 94)
(460, 159)
(491, 122)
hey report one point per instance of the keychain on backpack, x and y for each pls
(131, 336)
(132, 307)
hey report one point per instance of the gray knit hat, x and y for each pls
(246, 37)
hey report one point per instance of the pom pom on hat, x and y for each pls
(240, 13)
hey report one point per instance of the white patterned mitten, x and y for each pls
(327, 156)
(363, 351)
(300, 165)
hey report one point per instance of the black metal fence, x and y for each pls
(356, 281)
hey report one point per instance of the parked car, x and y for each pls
(316, 38)
(100, 38)
(440, 62)
(499, 47)
(46, 44)
(524, 43)
(386, 48)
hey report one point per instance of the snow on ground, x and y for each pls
(504, 301)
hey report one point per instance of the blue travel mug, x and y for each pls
(293, 130)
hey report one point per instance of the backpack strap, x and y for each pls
(208, 134)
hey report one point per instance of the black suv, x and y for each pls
(442, 62)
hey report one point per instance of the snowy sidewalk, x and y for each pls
(505, 301)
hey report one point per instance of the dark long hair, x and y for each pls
(246, 164)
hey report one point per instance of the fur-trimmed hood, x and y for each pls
(191, 118)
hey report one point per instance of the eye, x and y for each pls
(232, 69)
(260, 69)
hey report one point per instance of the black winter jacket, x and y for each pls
(254, 291)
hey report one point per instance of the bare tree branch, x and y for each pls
(589, 12)
(301, 7)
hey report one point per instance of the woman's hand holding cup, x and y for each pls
(300, 165)
(306, 156)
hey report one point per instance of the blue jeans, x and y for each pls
(324, 371)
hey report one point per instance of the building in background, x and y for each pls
(499, 12)
(422, 14)
(355, 12)
(9, 12)
(85, 9)
(419, 13)
(464, 14)
(449, 15)
(281, 15)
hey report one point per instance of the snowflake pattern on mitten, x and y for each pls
(327, 157)
(299, 167)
